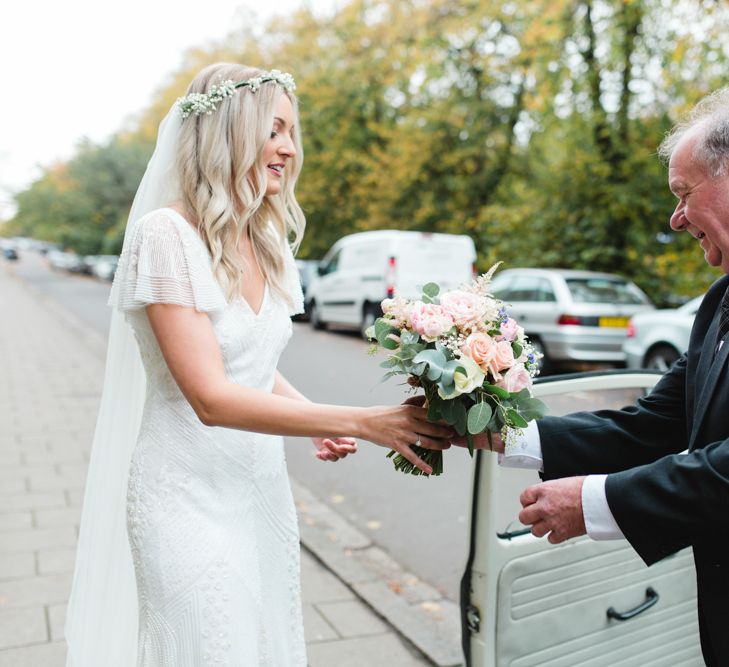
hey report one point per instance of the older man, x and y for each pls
(621, 473)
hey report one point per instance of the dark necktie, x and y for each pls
(723, 318)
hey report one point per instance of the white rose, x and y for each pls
(465, 383)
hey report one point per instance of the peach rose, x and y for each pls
(480, 348)
(429, 320)
(515, 379)
(492, 356)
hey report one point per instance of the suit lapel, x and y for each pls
(709, 369)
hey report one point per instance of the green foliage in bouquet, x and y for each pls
(437, 368)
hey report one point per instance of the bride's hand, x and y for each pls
(403, 426)
(333, 449)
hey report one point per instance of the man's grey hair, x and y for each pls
(709, 119)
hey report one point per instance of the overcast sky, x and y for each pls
(79, 68)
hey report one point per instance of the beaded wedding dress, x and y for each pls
(210, 516)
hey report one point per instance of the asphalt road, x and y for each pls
(422, 523)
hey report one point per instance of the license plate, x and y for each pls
(617, 322)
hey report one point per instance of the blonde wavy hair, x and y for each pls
(223, 180)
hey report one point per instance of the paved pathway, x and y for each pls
(50, 377)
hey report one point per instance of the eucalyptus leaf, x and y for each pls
(444, 350)
(435, 360)
(478, 417)
(496, 391)
(434, 413)
(418, 369)
(461, 424)
(516, 419)
(532, 408)
(449, 412)
(382, 327)
(389, 344)
(431, 290)
(382, 330)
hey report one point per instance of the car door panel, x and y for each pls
(528, 603)
(552, 606)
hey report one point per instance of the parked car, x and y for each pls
(307, 272)
(65, 261)
(10, 253)
(658, 338)
(362, 269)
(525, 601)
(105, 266)
(89, 261)
(572, 316)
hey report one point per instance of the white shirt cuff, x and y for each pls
(599, 520)
(522, 448)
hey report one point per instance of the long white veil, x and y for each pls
(101, 624)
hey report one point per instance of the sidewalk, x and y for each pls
(50, 378)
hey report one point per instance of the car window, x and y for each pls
(524, 288)
(501, 287)
(332, 264)
(545, 292)
(604, 290)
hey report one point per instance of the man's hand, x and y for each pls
(554, 507)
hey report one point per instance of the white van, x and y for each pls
(362, 269)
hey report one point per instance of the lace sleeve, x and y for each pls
(165, 263)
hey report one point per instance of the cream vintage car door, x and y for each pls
(527, 603)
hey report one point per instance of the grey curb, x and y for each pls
(414, 608)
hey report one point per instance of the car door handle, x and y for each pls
(651, 599)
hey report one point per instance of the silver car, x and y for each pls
(657, 339)
(572, 316)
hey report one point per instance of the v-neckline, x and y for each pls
(239, 296)
(261, 306)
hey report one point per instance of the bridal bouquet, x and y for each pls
(472, 360)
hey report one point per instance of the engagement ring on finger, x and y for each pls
(418, 443)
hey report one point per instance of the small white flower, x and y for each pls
(205, 103)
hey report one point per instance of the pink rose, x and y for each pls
(429, 320)
(515, 379)
(509, 329)
(464, 307)
(492, 356)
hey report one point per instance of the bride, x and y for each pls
(188, 466)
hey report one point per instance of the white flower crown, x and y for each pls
(196, 104)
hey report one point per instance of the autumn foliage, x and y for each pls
(531, 125)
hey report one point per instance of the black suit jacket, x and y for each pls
(664, 501)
